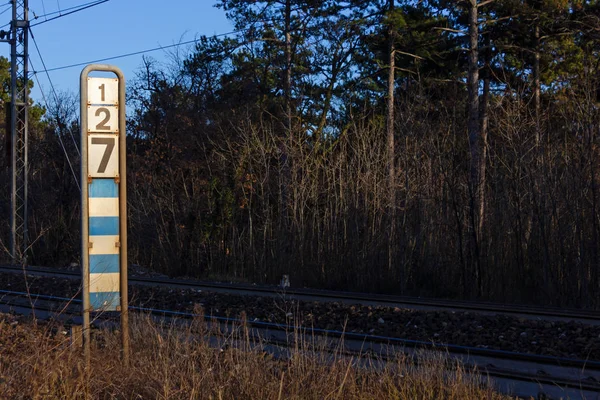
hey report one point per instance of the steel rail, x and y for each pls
(362, 337)
(486, 362)
(535, 312)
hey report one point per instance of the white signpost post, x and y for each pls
(103, 199)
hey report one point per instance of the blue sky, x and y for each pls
(109, 29)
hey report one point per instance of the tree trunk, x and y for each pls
(288, 65)
(536, 85)
(390, 110)
(475, 142)
(481, 193)
(484, 115)
(327, 103)
(473, 102)
(390, 141)
(288, 140)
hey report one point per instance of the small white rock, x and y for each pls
(381, 321)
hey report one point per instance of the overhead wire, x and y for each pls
(66, 9)
(35, 75)
(51, 84)
(61, 14)
(6, 9)
(44, 8)
(135, 53)
(62, 144)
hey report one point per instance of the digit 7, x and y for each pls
(110, 145)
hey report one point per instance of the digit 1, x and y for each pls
(101, 87)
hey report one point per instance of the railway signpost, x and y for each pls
(103, 199)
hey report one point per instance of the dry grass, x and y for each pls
(37, 362)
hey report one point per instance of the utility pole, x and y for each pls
(19, 104)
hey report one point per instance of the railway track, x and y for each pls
(520, 374)
(416, 303)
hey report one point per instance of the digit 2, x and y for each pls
(102, 126)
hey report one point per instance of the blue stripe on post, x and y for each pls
(104, 263)
(103, 225)
(104, 301)
(99, 226)
(103, 188)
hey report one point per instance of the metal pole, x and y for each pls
(13, 132)
(25, 122)
(85, 266)
(123, 219)
(124, 309)
(25, 135)
(19, 130)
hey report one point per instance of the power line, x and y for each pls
(74, 10)
(51, 84)
(135, 53)
(59, 136)
(6, 9)
(43, 8)
(65, 9)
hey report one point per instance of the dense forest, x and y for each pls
(436, 148)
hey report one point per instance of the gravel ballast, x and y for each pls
(545, 337)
